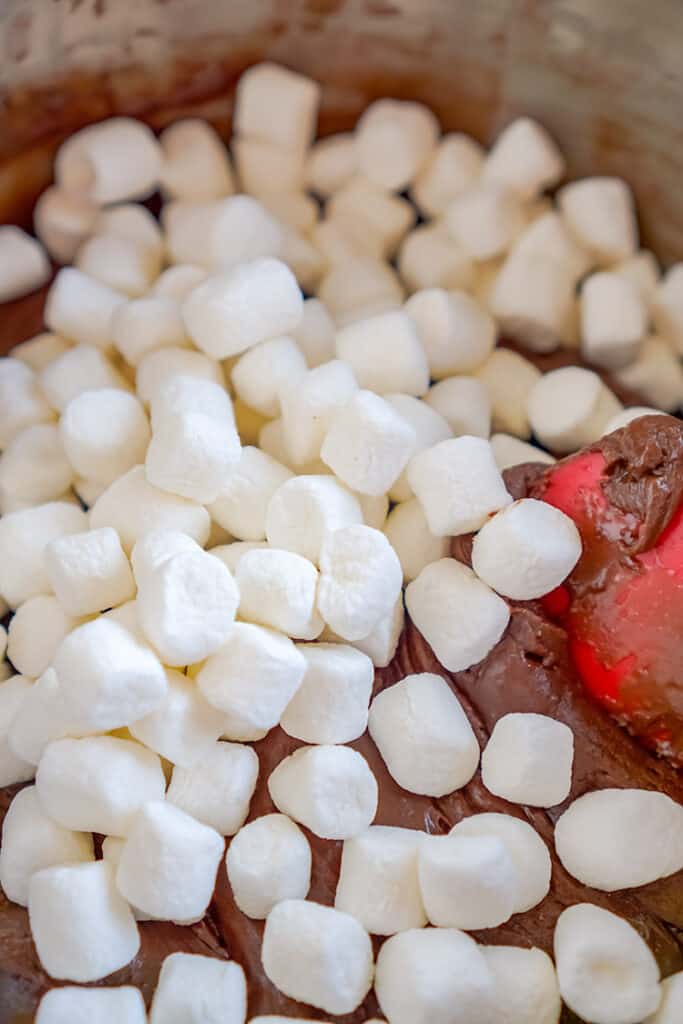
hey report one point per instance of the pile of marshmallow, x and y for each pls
(213, 494)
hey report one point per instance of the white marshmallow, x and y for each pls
(276, 104)
(25, 264)
(434, 976)
(423, 735)
(97, 784)
(613, 320)
(90, 161)
(668, 307)
(331, 704)
(339, 242)
(305, 509)
(199, 988)
(218, 787)
(330, 163)
(264, 371)
(309, 406)
(39, 351)
(14, 767)
(526, 550)
(158, 367)
(230, 554)
(593, 832)
(626, 416)
(35, 632)
(454, 166)
(24, 536)
(380, 644)
(134, 222)
(220, 235)
(105, 433)
(271, 440)
(71, 1005)
(600, 213)
(374, 508)
(458, 485)
(81, 369)
(643, 271)
(317, 955)
(378, 881)
(357, 285)
(196, 165)
(570, 408)
(82, 928)
(22, 402)
(107, 675)
(33, 468)
(385, 354)
(606, 972)
(178, 281)
(532, 298)
(528, 851)
(526, 985)
(235, 310)
(184, 728)
(241, 507)
(169, 862)
(528, 760)
(394, 140)
(363, 208)
(251, 680)
(525, 158)
(329, 789)
(509, 378)
(368, 444)
(278, 589)
(485, 219)
(80, 308)
(32, 717)
(133, 506)
(457, 334)
(656, 374)
(89, 572)
(126, 266)
(459, 616)
(62, 221)
(189, 231)
(548, 238)
(315, 333)
(360, 580)
(671, 1006)
(297, 211)
(407, 532)
(430, 258)
(510, 451)
(467, 882)
(464, 403)
(146, 325)
(264, 167)
(269, 860)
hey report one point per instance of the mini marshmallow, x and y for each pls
(423, 735)
(265, 370)
(169, 862)
(467, 882)
(132, 506)
(606, 971)
(230, 554)
(35, 632)
(457, 334)
(62, 221)
(600, 212)
(269, 860)
(528, 760)
(14, 767)
(360, 580)
(528, 851)
(252, 679)
(385, 354)
(394, 140)
(613, 320)
(199, 988)
(263, 167)
(485, 219)
(71, 1005)
(330, 163)
(668, 307)
(184, 728)
(548, 238)
(381, 643)
(368, 444)
(178, 281)
(82, 928)
(375, 509)
(278, 589)
(80, 308)
(329, 789)
(25, 264)
(221, 235)
(228, 314)
(34, 468)
(305, 509)
(464, 403)
(309, 407)
(670, 1009)
(434, 976)
(526, 985)
(592, 831)
(454, 166)
(532, 298)
(105, 433)
(526, 550)
(340, 242)
(459, 616)
(188, 230)
(626, 416)
(509, 378)
(362, 207)
(89, 161)
(192, 453)
(378, 881)
(107, 675)
(357, 285)
(317, 955)
(407, 532)
(525, 158)
(296, 211)
(271, 440)
(331, 704)
(97, 784)
(656, 374)
(89, 572)
(569, 408)
(196, 165)
(24, 536)
(133, 222)
(39, 351)
(430, 258)
(242, 505)
(510, 451)
(121, 264)
(315, 333)
(277, 105)
(146, 325)
(22, 402)
(158, 367)
(458, 485)
(218, 787)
